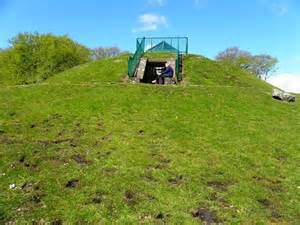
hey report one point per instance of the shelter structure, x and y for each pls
(146, 63)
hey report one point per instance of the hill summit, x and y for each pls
(89, 147)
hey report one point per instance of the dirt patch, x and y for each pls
(150, 197)
(27, 187)
(160, 166)
(72, 183)
(165, 161)
(160, 216)
(57, 222)
(219, 199)
(141, 132)
(130, 197)
(58, 160)
(273, 185)
(276, 215)
(26, 164)
(22, 159)
(56, 142)
(149, 177)
(205, 215)
(103, 139)
(80, 160)
(36, 199)
(282, 158)
(98, 198)
(268, 204)
(104, 154)
(4, 139)
(78, 131)
(110, 171)
(32, 167)
(51, 121)
(221, 186)
(264, 202)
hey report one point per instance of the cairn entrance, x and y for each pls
(154, 68)
(146, 70)
(150, 69)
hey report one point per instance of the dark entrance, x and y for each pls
(152, 68)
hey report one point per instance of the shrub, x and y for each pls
(35, 57)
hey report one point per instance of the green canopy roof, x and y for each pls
(162, 47)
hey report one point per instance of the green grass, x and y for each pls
(149, 154)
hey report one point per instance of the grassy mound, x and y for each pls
(82, 150)
(103, 71)
(203, 71)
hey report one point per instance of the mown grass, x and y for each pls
(148, 154)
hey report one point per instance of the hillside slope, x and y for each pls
(86, 147)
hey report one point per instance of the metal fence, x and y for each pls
(179, 43)
(134, 60)
(178, 62)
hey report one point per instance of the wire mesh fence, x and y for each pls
(172, 44)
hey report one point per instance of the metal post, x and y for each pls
(187, 46)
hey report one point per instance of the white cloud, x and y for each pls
(159, 3)
(289, 82)
(277, 7)
(150, 22)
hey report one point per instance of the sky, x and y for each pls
(258, 26)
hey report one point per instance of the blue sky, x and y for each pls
(259, 26)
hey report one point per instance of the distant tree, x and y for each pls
(101, 53)
(233, 55)
(264, 65)
(260, 65)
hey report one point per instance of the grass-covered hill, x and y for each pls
(87, 147)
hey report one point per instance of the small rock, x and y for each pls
(72, 183)
(12, 186)
(283, 96)
(27, 187)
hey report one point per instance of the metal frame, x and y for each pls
(180, 43)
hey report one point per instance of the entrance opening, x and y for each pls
(153, 68)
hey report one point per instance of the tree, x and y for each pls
(234, 55)
(260, 65)
(264, 65)
(34, 57)
(101, 53)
